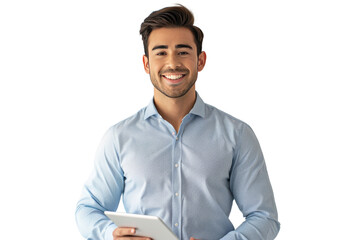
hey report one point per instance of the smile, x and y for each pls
(173, 76)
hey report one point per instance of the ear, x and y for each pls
(201, 61)
(146, 64)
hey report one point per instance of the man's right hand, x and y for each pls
(122, 233)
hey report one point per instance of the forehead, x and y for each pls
(171, 37)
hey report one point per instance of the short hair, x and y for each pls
(176, 16)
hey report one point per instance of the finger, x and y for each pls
(132, 238)
(122, 231)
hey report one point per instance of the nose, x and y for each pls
(173, 61)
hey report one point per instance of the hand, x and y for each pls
(122, 233)
(194, 238)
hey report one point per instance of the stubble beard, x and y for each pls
(175, 94)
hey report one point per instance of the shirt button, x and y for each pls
(173, 133)
(176, 224)
(176, 194)
(176, 165)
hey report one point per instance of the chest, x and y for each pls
(151, 157)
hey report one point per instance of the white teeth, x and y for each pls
(173, 77)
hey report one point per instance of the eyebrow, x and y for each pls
(177, 46)
(183, 46)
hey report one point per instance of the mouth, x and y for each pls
(173, 78)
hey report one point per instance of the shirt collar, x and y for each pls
(150, 110)
(198, 108)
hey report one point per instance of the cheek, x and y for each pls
(192, 63)
(154, 66)
(193, 67)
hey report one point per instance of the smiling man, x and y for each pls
(179, 158)
(173, 64)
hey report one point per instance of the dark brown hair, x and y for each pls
(177, 16)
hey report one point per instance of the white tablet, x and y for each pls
(149, 226)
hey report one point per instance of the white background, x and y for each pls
(71, 69)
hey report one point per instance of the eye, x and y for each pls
(183, 53)
(161, 53)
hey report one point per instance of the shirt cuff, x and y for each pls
(234, 235)
(109, 231)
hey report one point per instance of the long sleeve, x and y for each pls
(250, 185)
(187, 178)
(101, 192)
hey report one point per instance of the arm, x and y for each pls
(101, 192)
(250, 184)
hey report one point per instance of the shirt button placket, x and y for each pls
(176, 199)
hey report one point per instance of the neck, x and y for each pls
(174, 110)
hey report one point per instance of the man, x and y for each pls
(179, 158)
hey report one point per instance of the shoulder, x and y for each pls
(235, 131)
(128, 123)
(239, 133)
(226, 118)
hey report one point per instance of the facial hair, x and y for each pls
(156, 83)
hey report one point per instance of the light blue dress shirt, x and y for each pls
(188, 178)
